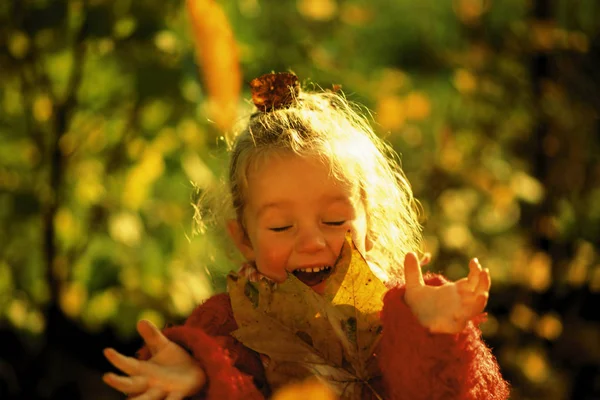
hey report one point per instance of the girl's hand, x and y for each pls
(171, 373)
(446, 308)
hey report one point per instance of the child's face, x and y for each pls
(296, 217)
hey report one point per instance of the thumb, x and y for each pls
(152, 336)
(412, 271)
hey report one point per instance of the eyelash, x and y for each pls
(280, 229)
(335, 223)
(285, 228)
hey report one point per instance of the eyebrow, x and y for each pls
(268, 206)
(345, 200)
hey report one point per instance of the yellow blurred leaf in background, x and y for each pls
(217, 56)
(527, 188)
(355, 14)
(68, 228)
(129, 276)
(73, 297)
(578, 268)
(126, 228)
(456, 236)
(141, 177)
(35, 322)
(579, 41)
(166, 41)
(542, 34)
(187, 288)
(549, 326)
(312, 389)
(390, 113)
(470, 11)
(153, 285)
(540, 271)
(318, 10)
(197, 170)
(522, 316)
(535, 365)
(42, 108)
(18, 44)
(6, 278)
(464, 81)
(17, 312)
(101, 307)
(417, 106)
(89, 190)
(124, 27)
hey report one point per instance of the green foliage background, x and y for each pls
(104, 140)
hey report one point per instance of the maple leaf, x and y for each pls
(331, 337)
(275, 90)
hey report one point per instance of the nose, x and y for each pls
(310, 240)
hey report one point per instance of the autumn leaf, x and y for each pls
(358, 294)
(217, 56)
(312, 389)
(273, 91)
(304, 334)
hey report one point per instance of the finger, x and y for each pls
(474, 271)
(484, 284)
(126, 384)
(479, 304)
(152, 394)
(128, 365)
(152, 336)
(174, 396)
(412, 271)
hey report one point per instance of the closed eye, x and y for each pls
(280, 228)
(335, 223)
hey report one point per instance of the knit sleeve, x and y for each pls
(418, 364)
(233, 371)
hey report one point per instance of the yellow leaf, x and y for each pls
(217, 57)
(310, 389)
(42, 108)
(304, 334)
(464, 81)
(318, 10)
(358, 294)
(417, 106)
(390, 112)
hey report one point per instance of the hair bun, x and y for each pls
(274, 91)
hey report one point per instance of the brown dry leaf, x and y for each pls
(217, 57)
(304, 334)
(275, 90)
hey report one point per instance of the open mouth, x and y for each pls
(313, 276)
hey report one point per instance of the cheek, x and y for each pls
(336, 241)
(271, 259)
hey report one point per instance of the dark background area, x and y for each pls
(111, 122)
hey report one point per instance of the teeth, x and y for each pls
(316, 269)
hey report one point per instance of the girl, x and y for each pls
(306, 169)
